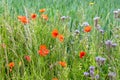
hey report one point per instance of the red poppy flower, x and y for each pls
(61, 38)
(87, 29)
(63, 64)
(33, 16)
(55, 33)
(28, 58)
(82, 54)
(43, 51)
(11, 65)
(23, 19)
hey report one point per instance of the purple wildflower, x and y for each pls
(86, 74)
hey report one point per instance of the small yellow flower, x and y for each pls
(91, 3)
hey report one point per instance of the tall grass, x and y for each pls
(21, 40)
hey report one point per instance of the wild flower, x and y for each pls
(85, 24)
(87, 28)
(96, 19)
(77, 32)
(100, 60)
(27, 58)
(92, 68)
(64, 17)
(82, 54)
(11, 65)
(33, 16)
(114, 45)
(42, 10)
(101, 31)
(91, 3)
(92, 74)
(62, 63)
(110, 44)
(23, 19)
(97, 77)
(43, 51)
(61, 37)
(55, 33)
(86, 74)
(45, 17)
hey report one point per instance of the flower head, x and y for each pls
(86, 74)
(43, 51)
(82, 54)
(77, 32)
(33, 16)
(85, 24)
(97, 77)
(23, 19)
(62, 63)
(64, 17)
(27, 57)
(92, 68)
(96, 21)
(55, 33)
(11, 65)
(45, 17)
(61, 37)
(42, 10)
(108, 43)
(91, 3)
(87, 29)
(100, 60)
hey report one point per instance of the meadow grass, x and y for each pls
(18, 39)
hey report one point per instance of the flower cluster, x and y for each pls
(100, 60)
(91, 73)
(110, 44)
(55, 34)
(26, 20)
(43, 51)
(98, 27)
